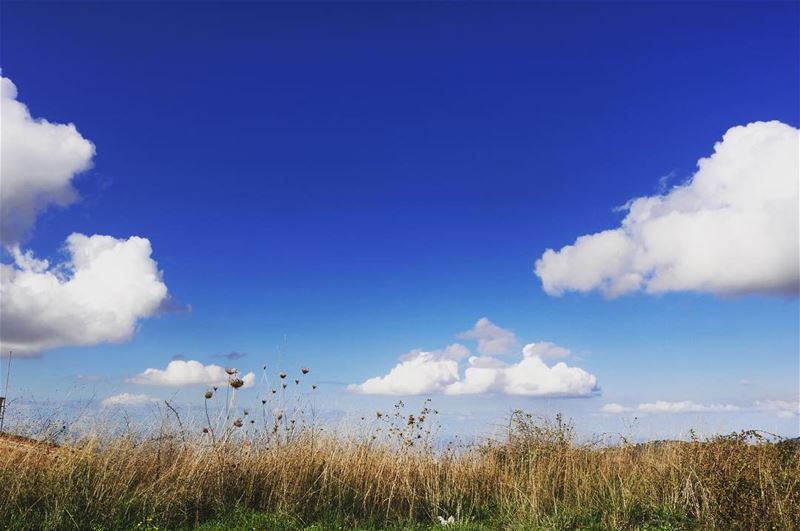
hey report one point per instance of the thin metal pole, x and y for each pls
(5, 395)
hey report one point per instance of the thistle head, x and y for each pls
(236, 383)
(208, 394)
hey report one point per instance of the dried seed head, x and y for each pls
(297, 382)
(282, 375)
(314, 386)
(236, 383)
(231, 371)
(304, 370)
(208, 394)
(215, 388)
(284, 386)
(246, 412)
(264, 402)
(378, 414)
(237, 422)
(411, 420)
(274, 391)
(279, 416)
(205, 430)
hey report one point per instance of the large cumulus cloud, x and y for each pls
(103, 288)
(731, 229)
(39, 161)
(97, 295)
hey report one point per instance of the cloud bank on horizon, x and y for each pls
(103, 288)
(782, 408)
(427, 372)
(731, 229)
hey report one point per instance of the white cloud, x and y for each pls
(492, 340)
(419, 372)
(530, 377)
(97, 295)
(180, 373)
(732, 229)
(105, 286)
(783, 408)
(422, 372)
(686, 406)
(39, 160)
(663, 406)
(128, 399)
(543, 350)
(615, 408)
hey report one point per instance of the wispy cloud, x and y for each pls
(783, 408)
(128, 399)
(231, 356)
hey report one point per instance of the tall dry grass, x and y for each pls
(537, 476)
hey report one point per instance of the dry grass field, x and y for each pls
(284, 473)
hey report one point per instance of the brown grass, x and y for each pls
(535, 477)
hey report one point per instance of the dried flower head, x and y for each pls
(208, 394)
(274, 391)
(236, 383)
(297, 382)
(246, 412)
(314, 386)
(231, 371)
(279, 416)
(237, 422)
(205, 430)
(282, 375)
(304, 370)
(284, 386)
(264, 402)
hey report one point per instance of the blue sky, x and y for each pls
(335, 185)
